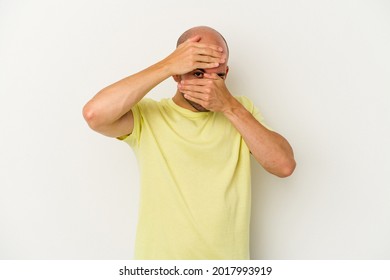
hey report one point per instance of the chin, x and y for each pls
(197, 107)
(200, 108)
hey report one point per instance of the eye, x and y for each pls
(198, 74)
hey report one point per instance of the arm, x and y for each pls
(269, 148)
(109, 111)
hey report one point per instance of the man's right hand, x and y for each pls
(192, 55)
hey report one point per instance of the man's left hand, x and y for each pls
(210, 92)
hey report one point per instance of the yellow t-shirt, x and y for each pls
(195, 183)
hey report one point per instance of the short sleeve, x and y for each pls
(248, 104)
(133, 138)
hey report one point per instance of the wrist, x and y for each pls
(232, 107)
(164, 67)
(167, 65)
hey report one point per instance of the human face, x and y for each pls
(207, 37)
(221, 71)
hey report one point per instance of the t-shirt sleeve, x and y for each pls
(133, 138)
(248, 104)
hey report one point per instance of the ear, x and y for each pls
(177, 78)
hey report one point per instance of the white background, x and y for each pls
(318, 70)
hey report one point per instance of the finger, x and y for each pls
(194, 96)
(196, 82)
(212, 76)
(211, 57)
(211, 50)
(194, 41)
(214, 61)
(196, 89)
(198, 44)
(207, 59)
(205, 65)
(195, 38)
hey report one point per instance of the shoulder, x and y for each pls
(147, 102)
(249, 105)
(146, 105)
(246, 102)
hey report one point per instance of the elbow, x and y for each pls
(91, 116)
(286, 169)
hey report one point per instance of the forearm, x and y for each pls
(114, 101)
(269, 148)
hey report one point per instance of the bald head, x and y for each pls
(207, 34)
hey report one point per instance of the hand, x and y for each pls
(210, 92)
(191, 55)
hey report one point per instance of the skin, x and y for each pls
(199, 66)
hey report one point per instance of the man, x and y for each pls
(193, 151)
